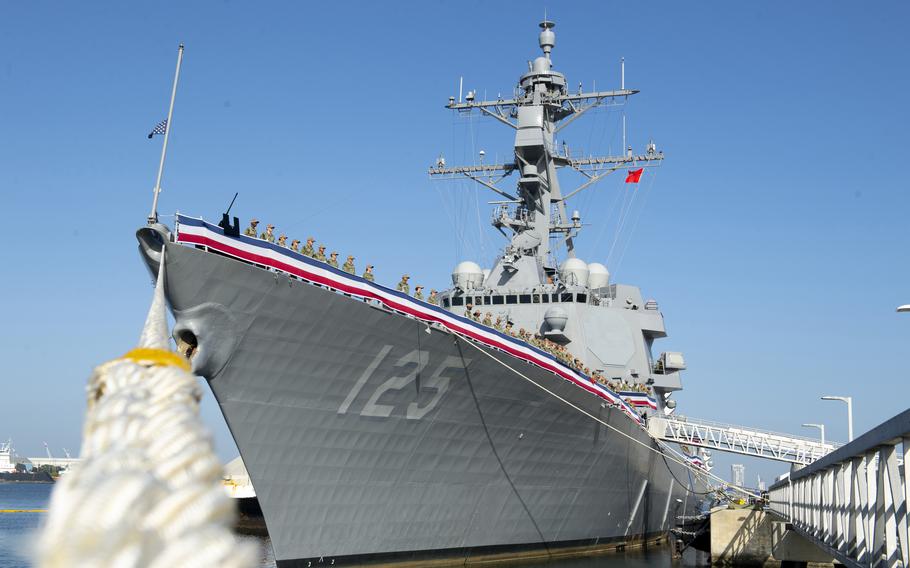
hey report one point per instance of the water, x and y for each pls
(655, 557)
(16, 530)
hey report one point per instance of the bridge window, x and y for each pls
(566, 298)
(457, 301)
(535, 299)
(497, 300)
(582, 298)
(478, 300)
(511, 299)
(486, 300)
(445, 302)
(524, 299)
(545, 298)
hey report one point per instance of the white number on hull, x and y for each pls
(367, 373)
(418, 360)
(438, 382)
(371, 408)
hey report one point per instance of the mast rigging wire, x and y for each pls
(502, 466)
(624, 214)
(480, 236)
(651, 180)
(682, 462)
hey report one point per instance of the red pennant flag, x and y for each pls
(634, 175)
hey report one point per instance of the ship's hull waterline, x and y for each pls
(371, 437)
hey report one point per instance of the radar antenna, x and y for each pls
(540, 108)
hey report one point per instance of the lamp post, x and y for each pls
(821, 427)
(849, 401)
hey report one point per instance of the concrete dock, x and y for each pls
(753, 537)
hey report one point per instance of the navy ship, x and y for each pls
(505, 418)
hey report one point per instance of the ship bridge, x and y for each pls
(741, 440)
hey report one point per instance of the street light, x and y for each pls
(849, 401)
(821, 427)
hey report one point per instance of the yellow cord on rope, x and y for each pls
(148, 491)
(157, 357)
(4, 511)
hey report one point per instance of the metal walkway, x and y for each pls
(739, 439)
(853, 502)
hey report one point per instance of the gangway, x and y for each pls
(739, 439)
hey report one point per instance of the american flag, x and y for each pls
(160, 128)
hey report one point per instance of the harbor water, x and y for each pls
(16, 529)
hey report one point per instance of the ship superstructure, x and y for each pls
(377, 427)
(607, 327)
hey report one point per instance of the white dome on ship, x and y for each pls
(598, 276)
(556, 318)
(574, 272)
(467, 275)
(541, 65)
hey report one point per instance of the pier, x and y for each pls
(63, 463)
(840, 502)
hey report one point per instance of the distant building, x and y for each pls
(738, 474)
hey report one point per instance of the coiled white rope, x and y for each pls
(148, 489)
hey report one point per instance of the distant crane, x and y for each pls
(50, 460)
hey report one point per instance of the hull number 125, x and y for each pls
(408, 369)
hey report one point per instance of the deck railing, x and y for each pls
(853, 502)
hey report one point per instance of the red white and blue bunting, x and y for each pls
(639, 399)
(696, 461)
(198, 232)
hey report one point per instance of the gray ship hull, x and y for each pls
(370, 436)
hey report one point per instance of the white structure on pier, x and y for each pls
(56, 462)
(738, 474)
(236, 480)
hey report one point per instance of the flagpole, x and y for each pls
(622, 85)
(153, 216)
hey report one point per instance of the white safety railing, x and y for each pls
(853, 502)
(739, 439)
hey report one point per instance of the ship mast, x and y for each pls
(540, 109)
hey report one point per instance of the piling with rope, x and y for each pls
(147, 491)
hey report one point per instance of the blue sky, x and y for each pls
(774, 236)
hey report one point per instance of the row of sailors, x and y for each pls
(556, 349)
(404, 286)
(318, 253)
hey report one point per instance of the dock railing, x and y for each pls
(853, 502)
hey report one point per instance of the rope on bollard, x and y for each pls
(148, 490)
